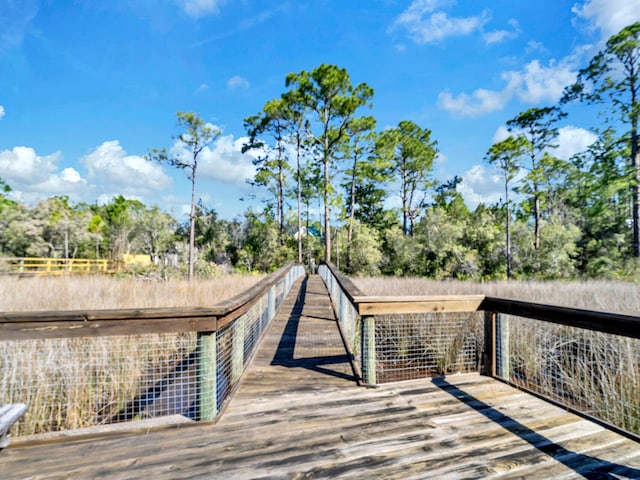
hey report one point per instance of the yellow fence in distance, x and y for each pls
(55, 266)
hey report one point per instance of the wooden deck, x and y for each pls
(299, 414)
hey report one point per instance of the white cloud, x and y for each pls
(238, 82)
(32, 176)
(22, 166)
(223, 161)
(572, 140)
(533, 84)
(426, 25)
(199, 8)
(608, 16)
(110, 165)
(481, 101)
(1, 111)
(498, 36)
(537, 83)
(502, 133)
(202, 88)
(480, 185)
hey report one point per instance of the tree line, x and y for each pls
(338, 188)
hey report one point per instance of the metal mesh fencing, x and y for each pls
(592, 372)
(70, 383)
(348, 318)
(412, 346)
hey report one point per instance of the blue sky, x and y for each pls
(88, 87)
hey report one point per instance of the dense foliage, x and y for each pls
(337, 188)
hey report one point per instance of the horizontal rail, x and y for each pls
(418, 304)
(605, 322)
(53, 266)
(95, 323)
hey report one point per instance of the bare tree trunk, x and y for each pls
(299, 206)
(327, 218)
(192, 223)
(508, 225)
(352, 213)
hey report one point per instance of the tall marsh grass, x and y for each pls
(603, 295)
(102, 292)
(70, 383)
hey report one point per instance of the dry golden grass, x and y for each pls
(101, 292)
(604, 295)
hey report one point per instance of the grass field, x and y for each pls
(604, 295)
(102, 292)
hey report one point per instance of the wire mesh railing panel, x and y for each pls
(592, 372)
(346, 312)
(70, 383)
(412, 346)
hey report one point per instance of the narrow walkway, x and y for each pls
(299, 414)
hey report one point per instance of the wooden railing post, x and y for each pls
(369, 350)
(237, 354)
(271, 308)
(502, 342)
(489, 354)
(207, 376)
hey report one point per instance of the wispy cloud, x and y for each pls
(244, 25)
(200, 8)
(16, 20)
(533, 84)
(424, 23)
(202, 88)
(238, 83)
(608, 16)
(1, 111)
(499, 36)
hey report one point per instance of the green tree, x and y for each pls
(360, 147)
(506, 156)
(613, 76)
(328, 95)
(273, 166)
(297, 128)
(195, 139)
(537, 126)
(411, 152)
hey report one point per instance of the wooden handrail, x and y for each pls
(95, 323)
(613, 323)
(606, 322)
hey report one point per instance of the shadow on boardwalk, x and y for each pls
(311, 339)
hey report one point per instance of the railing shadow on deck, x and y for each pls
(284, 355)
(591, 468)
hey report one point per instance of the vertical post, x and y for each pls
(237, 354)
(271, 299)
(207, 376)
(489, 355)
(369, 350)
(502, 341)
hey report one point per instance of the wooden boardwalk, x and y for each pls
(299, 414)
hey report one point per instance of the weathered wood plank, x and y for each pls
(417, 304)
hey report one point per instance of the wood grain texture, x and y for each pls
(298, 413)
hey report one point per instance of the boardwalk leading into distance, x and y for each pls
(298, 413)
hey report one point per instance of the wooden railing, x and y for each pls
(585, 360)
(173, 360)
(54, 266)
